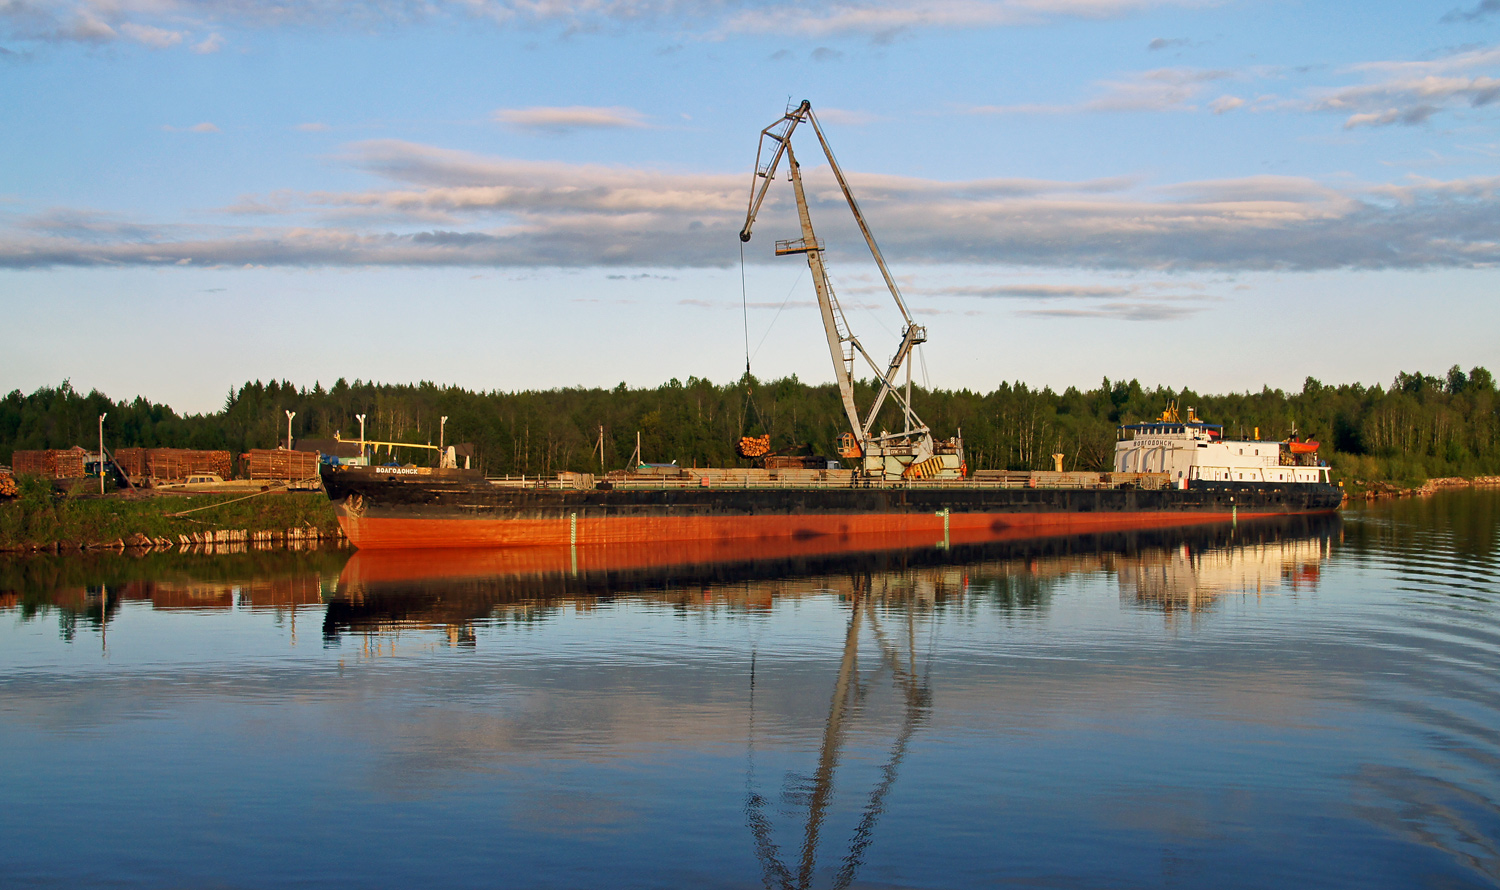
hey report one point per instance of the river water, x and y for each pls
(1302, 703)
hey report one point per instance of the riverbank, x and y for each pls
(39, 520)
(1374, 491)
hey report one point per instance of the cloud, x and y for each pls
(1484, 10)
(847, 118)
(884, 19)
(1162, 43)
(1400, 92)
(313, 127)
(438, 207)
(83, 28)
(1149, 301)
(100, 21)
(204, 127)
(826, 54)
(1160, 89)
(562, 119)
(146, 35)
(210, 44)
(1410, 93)
(1416, 114)
(1024, 291)
(1118, 311)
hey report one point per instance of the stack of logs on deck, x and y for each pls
(60, 464)
(172, 464)
(278, 463)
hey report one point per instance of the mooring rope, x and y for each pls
(247, 497)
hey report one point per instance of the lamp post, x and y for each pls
(101, 452)
(361, 419)
(442, 454)
(289, 416)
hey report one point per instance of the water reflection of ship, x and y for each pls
(1192, 580)
(386, 591)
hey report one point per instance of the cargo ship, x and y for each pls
(885, 490)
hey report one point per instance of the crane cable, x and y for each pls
(745, 313)
(745, 308)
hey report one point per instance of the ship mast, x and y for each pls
(892, 455)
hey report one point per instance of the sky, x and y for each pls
(520, 194)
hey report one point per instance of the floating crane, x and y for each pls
(911, 453)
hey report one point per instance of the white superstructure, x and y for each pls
(1191, 450)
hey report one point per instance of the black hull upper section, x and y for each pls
(470, 497)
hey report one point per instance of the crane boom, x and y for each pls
(827, 302)
(900, 454)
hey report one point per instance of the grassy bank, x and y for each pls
(38, 518)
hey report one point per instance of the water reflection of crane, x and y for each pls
(849, 693)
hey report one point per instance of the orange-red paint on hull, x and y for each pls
(810, 534)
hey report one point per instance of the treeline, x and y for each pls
(1419, 427)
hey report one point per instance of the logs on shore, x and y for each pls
(55, 464)
(173, 464)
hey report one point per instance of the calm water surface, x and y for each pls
(1293, 704)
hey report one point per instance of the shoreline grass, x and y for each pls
(39, 518)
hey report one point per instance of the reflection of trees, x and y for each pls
(1465, 521)
(849, 693)
(87, 590)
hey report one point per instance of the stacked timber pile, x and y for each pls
(757, 446)
(278, 463)
(57, 464)
(131, 461)
(7, 485)
(173, 464)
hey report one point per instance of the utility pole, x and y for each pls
(361, 419)
(442, 452)
(289, 415)
(101, 452)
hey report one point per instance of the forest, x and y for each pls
(1421, 426)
